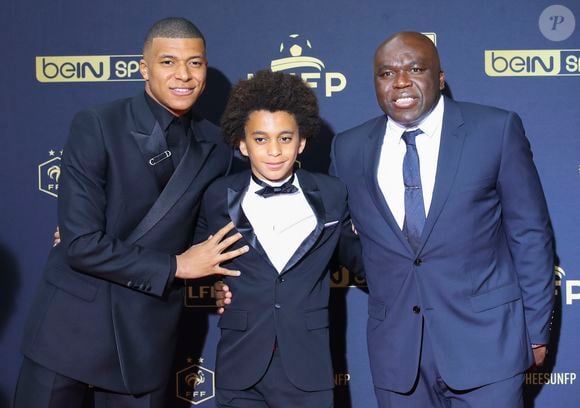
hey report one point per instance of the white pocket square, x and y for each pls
(330, 224)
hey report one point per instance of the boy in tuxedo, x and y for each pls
(274, 347)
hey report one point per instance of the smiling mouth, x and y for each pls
(405, 102)
(182, 91)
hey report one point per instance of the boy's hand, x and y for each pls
(204, 259)
(223, 296)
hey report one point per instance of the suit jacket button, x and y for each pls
(418, 261)
(277, 306)
(416, 309)
(130, 284)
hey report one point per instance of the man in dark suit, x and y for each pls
(457, 244)
(274, 348)
(105, 317)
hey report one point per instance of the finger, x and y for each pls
(227, 272)
(227, 301)
(219, 295)
(220, 310)
(228, 242)
(219, 303)
(218, 236)
(226, 256)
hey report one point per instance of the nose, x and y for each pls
(402, 80)
(274, 149)
(182, 72)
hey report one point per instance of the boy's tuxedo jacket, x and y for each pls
(290, 307)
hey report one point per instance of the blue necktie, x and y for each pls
(414, 206)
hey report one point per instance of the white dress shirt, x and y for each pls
(390, 169)
(281, 222)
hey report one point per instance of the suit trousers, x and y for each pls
(274, 390)
(430, 390)
(40, 387)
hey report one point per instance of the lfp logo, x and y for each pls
(295, 57)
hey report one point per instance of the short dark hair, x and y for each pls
(272, 92)
(172, 27)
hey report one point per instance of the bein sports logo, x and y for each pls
(49, 173)
(88, 68)
(294, 59)
(571, 287)
(195, 383)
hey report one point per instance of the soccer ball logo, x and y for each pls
(294, 47)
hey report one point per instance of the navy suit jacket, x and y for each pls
(107, 308)
(290, 307)
(482, 278)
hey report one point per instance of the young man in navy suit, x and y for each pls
(103, 323)
(274, 349)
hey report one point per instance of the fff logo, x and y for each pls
(49, 174)
(195, 384)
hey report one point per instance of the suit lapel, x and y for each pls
(452, 138)
(235, 196)
(371, 160)
(193, 160)
(314, 198)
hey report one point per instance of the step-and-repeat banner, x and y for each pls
(61, 56)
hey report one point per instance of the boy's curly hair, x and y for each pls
(273, 92)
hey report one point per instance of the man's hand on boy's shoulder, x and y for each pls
(223, 296)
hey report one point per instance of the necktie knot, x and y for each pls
(409, 136)
(268, 191)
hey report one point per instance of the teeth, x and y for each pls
(405, 100)
(182, 90)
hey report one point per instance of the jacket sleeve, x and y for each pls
(82, 205)
(528, 230)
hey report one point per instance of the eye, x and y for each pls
(166, 62)
(260, 140)
(196, 63)
(386, 74)
(286, 139)
(417, 70)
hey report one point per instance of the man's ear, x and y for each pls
(144, 69)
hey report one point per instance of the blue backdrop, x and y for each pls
(61, 56)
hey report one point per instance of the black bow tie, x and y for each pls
(269, 191)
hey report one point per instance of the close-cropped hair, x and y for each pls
(272, 92)
(172, 27)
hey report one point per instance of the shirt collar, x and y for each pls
(428, 125)
(162, 115)
(253, 186)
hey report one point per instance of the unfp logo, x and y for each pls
(49, 173)
(195, 384)
(532, 62)
(88, 68)
(295, 58)
(571, 287)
